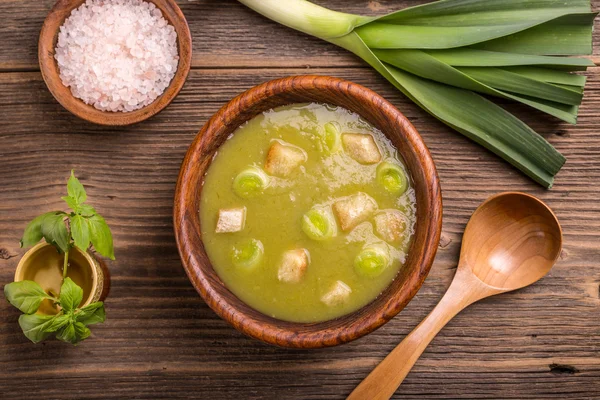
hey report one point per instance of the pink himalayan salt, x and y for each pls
(117, 55)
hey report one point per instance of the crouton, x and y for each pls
(231, 220)
(293, 265)
(283, 159)
(338, 294)
(361, 148)
(354, 210)
(390, 226)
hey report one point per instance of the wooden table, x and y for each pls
(161, 340)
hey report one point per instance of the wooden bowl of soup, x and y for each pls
(307, 212)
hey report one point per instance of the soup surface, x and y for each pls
(307, 212)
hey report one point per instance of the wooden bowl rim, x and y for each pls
(50, 71)
(261, 326)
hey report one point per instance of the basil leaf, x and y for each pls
(67, 333)
(57, 323)
(73, 333)
(71, 202)
(82, 332)
(86, 210)
(33, 231)
(70, 295)
(75, 189)
(25, 295)
(101, 236)
(55, 231)
(91, 314)
(34, 326)
(80, 232)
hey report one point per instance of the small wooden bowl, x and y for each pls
(381, 114)
(50, 71)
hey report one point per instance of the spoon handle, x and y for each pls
(383, 381)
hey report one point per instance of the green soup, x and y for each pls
(307, 212)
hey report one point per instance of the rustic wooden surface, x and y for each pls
(162, 341)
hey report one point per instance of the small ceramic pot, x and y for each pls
(43, 265)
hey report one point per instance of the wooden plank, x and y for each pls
(161, 340)
(226, 34)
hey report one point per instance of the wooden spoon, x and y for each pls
(511, 241)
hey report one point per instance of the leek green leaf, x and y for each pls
(422, 64)
(455, 23)
(452, 12)
(515, 83)
(576, 89)
(566, 112)
(468, 57)
(568, 35)
(548, 75)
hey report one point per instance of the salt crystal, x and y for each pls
(117, 55)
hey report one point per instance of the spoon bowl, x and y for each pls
(511, 241)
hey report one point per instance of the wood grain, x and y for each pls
(383, 116)
(51, 72)
(162, 341)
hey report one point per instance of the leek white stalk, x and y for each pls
(512, 53)
(307, 17)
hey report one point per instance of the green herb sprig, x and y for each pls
(85, 225)
(70, 324)
(77, 228)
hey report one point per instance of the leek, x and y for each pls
(318, 225)
(445, 55)
(247, 254)
(392, 178)
(371, 262)
(250, 182)
(332, 141)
